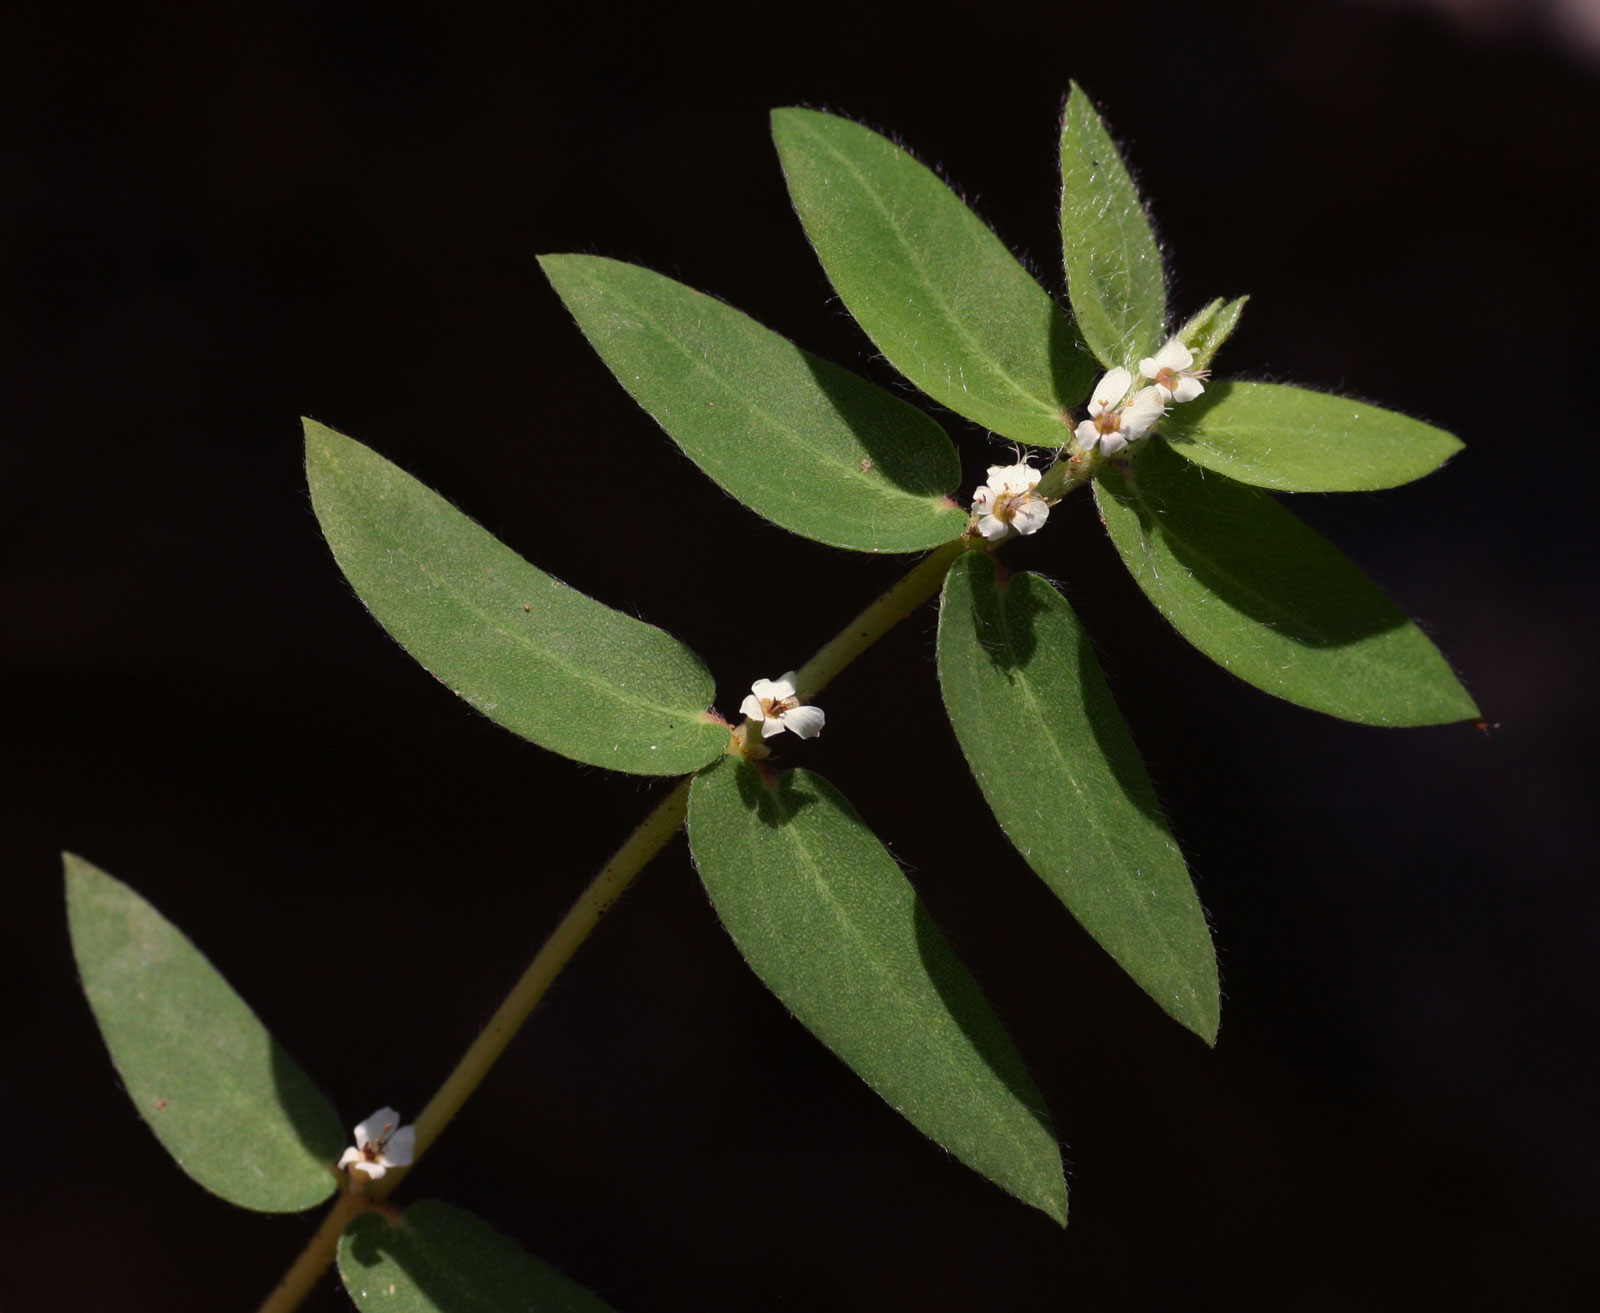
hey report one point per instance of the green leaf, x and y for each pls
(1205, 333)
(812, 447)
(932, 286)
(1299, 441)
(1269, 599)
(527, 651)
(222, 1097)
(823, 915)
(438, 1258)
(1114, 275)
(1055, 760)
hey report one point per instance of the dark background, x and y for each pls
(219, 219)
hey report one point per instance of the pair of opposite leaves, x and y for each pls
(861, 469)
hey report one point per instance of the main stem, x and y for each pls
(652, 835)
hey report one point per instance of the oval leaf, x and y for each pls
(441, 1259)
(812, 447)
(222, 1097)
(823, 915)
(1294, 440)
(1060, 771)
(933, 287)
(530, 653)
(1114, 275)
(1270, 599)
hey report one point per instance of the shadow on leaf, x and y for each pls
(907, 448)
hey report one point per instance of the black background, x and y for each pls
(219, 219)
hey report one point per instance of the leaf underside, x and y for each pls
(825, 918)
(1055, 760)
(530, 653)
(230, 1106)
(1269, 599)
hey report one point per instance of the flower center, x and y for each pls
(1108, 420)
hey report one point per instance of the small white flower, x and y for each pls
(772, 702)
(1113, 420)
(381, 1143)
(1172, 370)
(1008, 500)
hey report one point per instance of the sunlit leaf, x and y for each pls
(222, 1097)
(437, 1258)
(823, 915)
(1055, 760)
(1114, 275)
(812, 447)
(1293, 440)
(1269, 599)
(933, 287)
(527, 651)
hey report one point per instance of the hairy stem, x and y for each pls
(652, 835)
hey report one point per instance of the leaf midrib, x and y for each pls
(975, 349)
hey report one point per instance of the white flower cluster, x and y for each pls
(1120, 412)
(773, 705)
(381, 1143)
(1009, 501)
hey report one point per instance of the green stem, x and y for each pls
(915, 588)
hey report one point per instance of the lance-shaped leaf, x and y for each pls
(1210, 327)
(933, 287)
(812, 447)
(823, 915)
(1269, 599)
(527, 651)
(1114, 275)
(1294, 440)
(1060, 771)
(222, 1097)
(437, 1258)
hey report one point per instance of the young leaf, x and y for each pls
(1205, 333)
(438, 1258)
(1298, 441)
(812, 447)
(527, 651)
(823, 915)
(1055, 760)
(1114, 275)
(1269, 599)
(222, 1097)
(932, 286)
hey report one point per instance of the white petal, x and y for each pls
(1031, 516)
(983, 500)
(997, 472)
(347, 1157)
(785, 684)
(1086, 434)
(992, 528)
(1188, 389)
(1140, 413)
(400, 1147)
(1149, 367)
(1112, 443)
(771, 727)
(805, 721)
(374, 1170)
(1112, 387)
(1173, 356)
(750, 708)
(766, 690)
(371, 1130)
